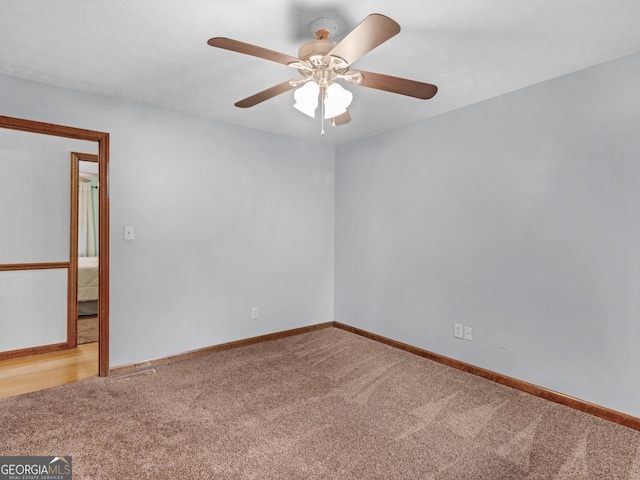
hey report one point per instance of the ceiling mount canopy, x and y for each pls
(321, 62)
(323, 28)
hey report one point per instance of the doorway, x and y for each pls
(33, 270)
(85, 227)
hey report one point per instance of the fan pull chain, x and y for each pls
(322, 116)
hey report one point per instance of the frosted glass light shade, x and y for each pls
(336, 101)
(307, 98)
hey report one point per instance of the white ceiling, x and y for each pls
(155, 51)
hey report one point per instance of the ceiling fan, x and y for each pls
(321, 62)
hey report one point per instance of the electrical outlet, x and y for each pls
(457, 330)
(468, 333)
(254, 313)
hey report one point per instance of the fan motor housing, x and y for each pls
(315, 47)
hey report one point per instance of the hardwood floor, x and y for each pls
(37, 372)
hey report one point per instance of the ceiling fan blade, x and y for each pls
(342, 119)
(403, 86)
(265, 94)
(248, 49)
(367, 35)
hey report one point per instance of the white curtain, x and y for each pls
(87, 246)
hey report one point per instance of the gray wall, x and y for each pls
(519, 217)
(225, 219)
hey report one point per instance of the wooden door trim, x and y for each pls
(103, 256)
(102, 139)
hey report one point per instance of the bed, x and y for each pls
(87, 286)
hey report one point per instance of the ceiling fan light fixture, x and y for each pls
(336, 100)
(321, 61)
(307, 98)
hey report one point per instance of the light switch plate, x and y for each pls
(128, 233)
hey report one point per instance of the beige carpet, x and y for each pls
(87, 330)
(323, 405)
